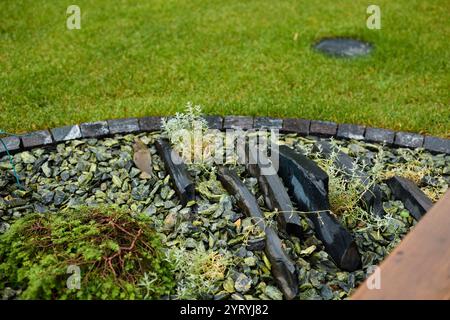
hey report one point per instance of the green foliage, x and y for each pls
(199, 271)
(113, 250)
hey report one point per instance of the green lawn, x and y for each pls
(137, 58)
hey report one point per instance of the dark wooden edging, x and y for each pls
(419, 268)
(301, 126)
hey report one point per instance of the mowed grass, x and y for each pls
(140, 58)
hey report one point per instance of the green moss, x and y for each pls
(113, 250)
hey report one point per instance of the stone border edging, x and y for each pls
(300, 126)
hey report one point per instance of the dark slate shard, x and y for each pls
(351, 131)
(300, 126)
(177, 170)
(150, 123)
(267, 123)
(275, 195)
(94, 129)
(438, 145)
(379, 135)
(323, 128)
(66, 133)
(238, 122)
(373, 197)
(343, 47)
(12, 144)
(308, 185)
(37, 139)
(256, 244)
(408, 139)
(414, 200)
(283, 268)
(128, 125)
(214, 122)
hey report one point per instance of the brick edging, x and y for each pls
(304, 127)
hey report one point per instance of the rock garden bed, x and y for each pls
(216, 250)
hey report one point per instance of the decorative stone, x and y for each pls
(300, 126)
(242, 283)
(36, 139)
(66, 133)
(282, 267)
(128, 125)
(238, 122)
(214, 122)
(308, 185)
(408, 139)
(351, 131)
(379, 135)
(275, 194)
(438, 145)
(150, 123)
(12, 143)
(181, 179)
(414, 200)
(343, 47)
(323, 128)
(94, 129)
(267, 123)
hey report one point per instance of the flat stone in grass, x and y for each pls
(66, 133)
(435, 144)
(12, 143)
(37, 139)
(127, 125)
(408, 139)
(267, 123)
(214, 122)
(300, 126)
(343, 47)
(351, 131)
(379, 135)
(94, 129)
(150, 123)
(238, 122)
(414, 200)
(323, 128)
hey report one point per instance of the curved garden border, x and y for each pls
(303, 127)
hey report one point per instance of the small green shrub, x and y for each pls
(113, 250)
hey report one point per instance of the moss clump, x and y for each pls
(112, 250)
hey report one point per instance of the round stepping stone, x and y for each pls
(343, 47)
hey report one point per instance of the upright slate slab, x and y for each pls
(350, 131)
(238, 122)
(267, 123)
(66, 133)
(408, 139)
(37, 139)
(127, 125)
(283, 268)
(379, 135)
(12, 144)
(414, 200)
(437, 145)
(150, 124)
(373, 197)
(275, 194)
(184, 186)
(96, 129)
(323, 128)
(300, 126)
(214, 122)
(308, 185)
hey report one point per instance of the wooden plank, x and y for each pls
(419, 268)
